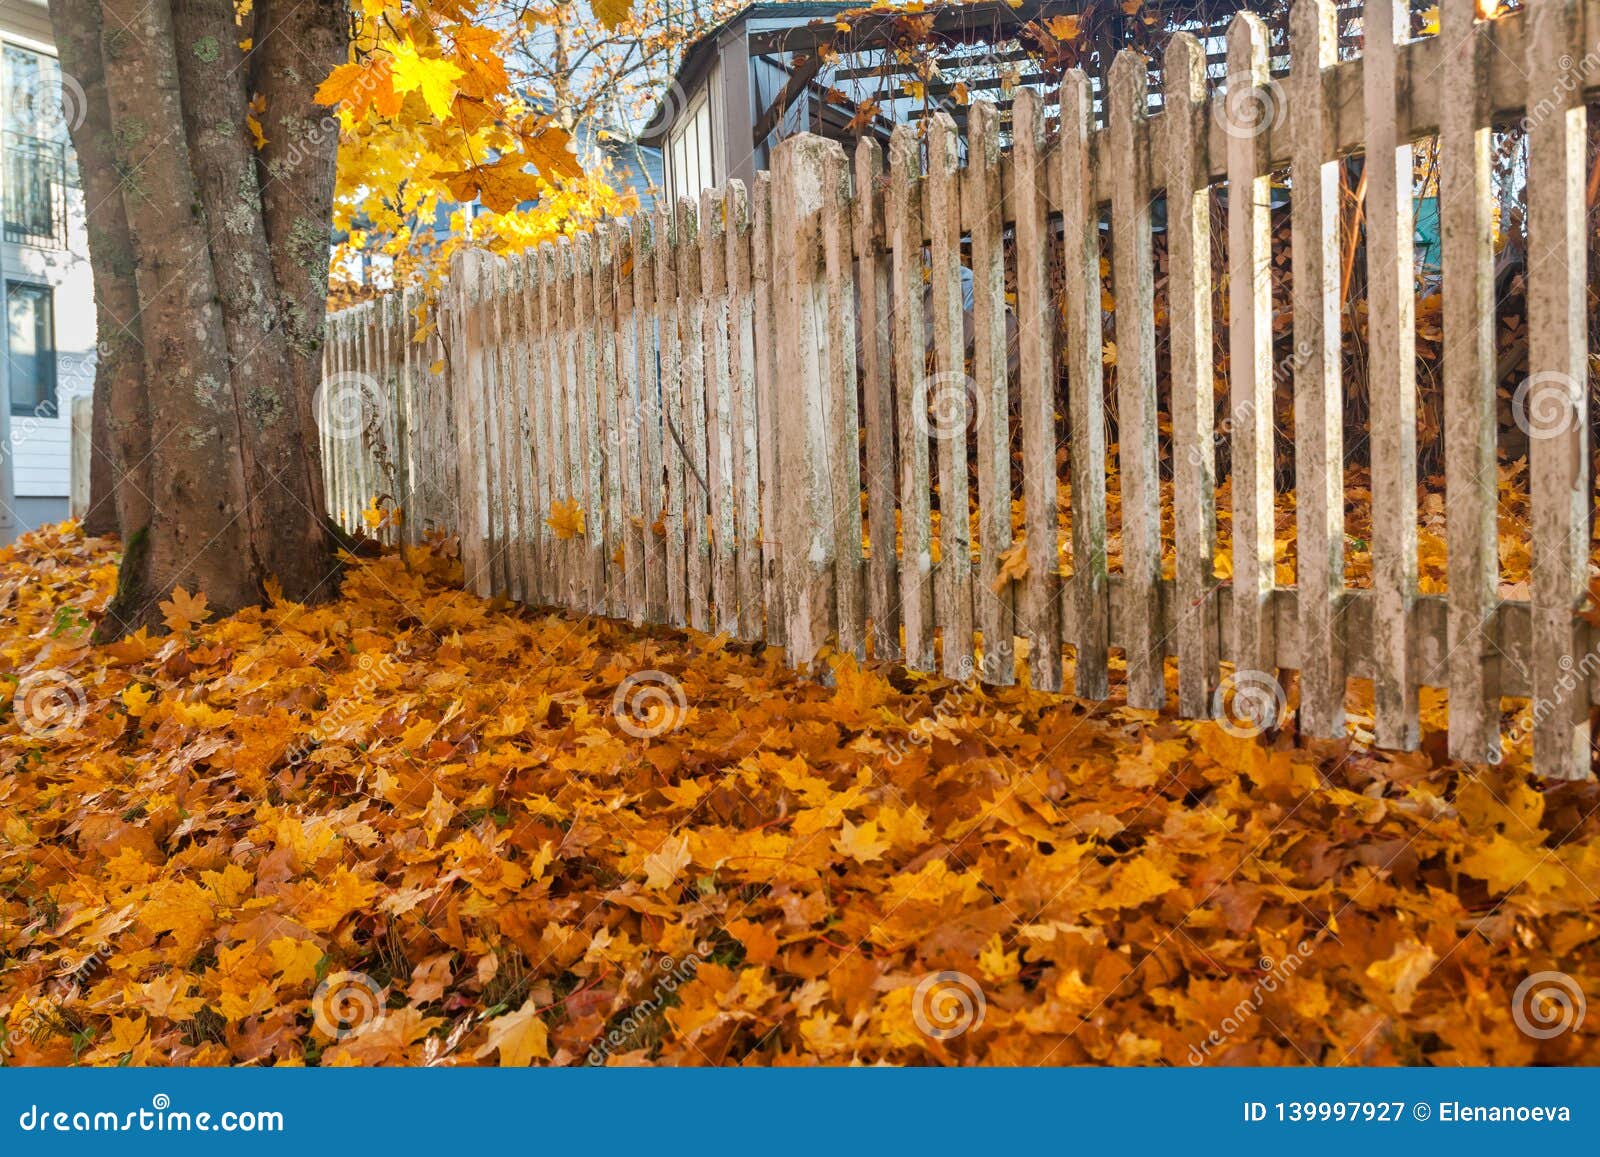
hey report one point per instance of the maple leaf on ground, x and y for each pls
(520, 1037)
(661, 867)
(183, 611)
(860, 843)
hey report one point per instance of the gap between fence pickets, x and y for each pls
(722, 410)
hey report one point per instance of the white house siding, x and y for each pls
(40, 455)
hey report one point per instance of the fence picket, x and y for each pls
(948, 407)
(1467, 230)
(744, 420)
(1555, 397)
(1318, 414)
(667, 320)
(609, 444)
(803, 336)
(469, 414)
(652, 508)
(1391, 343)
(1193, 394)
(507, 429)
(911, 389)
(690, 417)
(575, 563)
(1090, 589)
(627, 440)
(718, 413)
(1133, 278)
(1250, 426)
(767, 378)
(877, 391)
(538, 503)
(982, 212)
(841, 416)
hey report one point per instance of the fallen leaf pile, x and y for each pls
(415, 827)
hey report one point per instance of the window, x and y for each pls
(31, 349)
(691, 154)
(37, 157)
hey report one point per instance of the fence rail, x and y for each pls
(752, 413)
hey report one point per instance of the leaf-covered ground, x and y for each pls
(412, 827)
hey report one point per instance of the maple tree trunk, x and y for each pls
(210, 254)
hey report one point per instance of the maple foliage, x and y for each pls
(429, 807)
(430, 117)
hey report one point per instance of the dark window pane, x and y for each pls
(31, 350)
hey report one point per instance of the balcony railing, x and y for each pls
(34, 174)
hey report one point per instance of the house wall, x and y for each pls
(39, 456)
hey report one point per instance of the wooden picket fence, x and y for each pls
(730, 393)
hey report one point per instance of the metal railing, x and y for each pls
(34, 174)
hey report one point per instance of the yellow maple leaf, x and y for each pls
(860, 843)
(1137, 881)
(1406, 967)
(183, 610)
(996, 963)
(1013, 566)
(611, 13)
(661, 867)
(1065, 27)
(296, 960)
(520, 1036)
(433, 77)
(566, 518)
(137, 700)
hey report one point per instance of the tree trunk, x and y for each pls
(210, 293)
(119, 483)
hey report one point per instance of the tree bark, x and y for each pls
(119, 484)
(303, 43)
(210, 263)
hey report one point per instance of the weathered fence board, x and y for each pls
(739, 414)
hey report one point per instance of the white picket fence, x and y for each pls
(733, 392)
